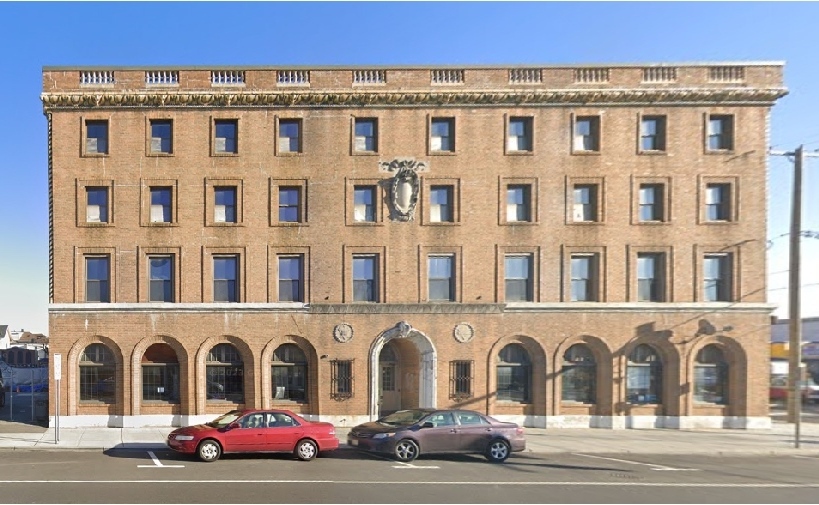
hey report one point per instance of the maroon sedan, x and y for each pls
(255, 431)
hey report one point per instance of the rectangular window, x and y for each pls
(717, 278)
(442, 135)
(162, 136)
(341, 379)
(97, 275)
(585, 203)
(161, 279)
(290, 136)
(440, 204)
(161, 204)
(366, 135)
(226, 136)
(651, 202)
(720, 133)
(364, 204)
(460, 380)
(718, 202)
(650, 277)
(225, 279)
(291, 276)
(289, 204)
(519, 137)
(365, 279)
(652, 133)
(518, 203)
(96, 210)
(224, 209)
(584, 277)
(96, 137)
(160, 382)
(518, 278)
(587, 133)
(441, 279)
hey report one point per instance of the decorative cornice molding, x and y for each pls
(205, 98)
(407, 308)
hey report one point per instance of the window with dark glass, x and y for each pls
(652, 133)
(97, 275)
(364, 204)
(579, 375)
(720, 133)
(717, 278)
(518, 278)
(585, 203)
(442, 135)
(514, 374)
(460, 380)
(441, 278)
(290, 135)
(518, 203)
(644, 376)
(341, 379)
(650, 285)
(96, 210)
(224, 373)
(289, 373)
(160, 374)
(711, 376)
(718, 202)
(365, 279)
(162, 136)
(226, 136)
(161, 204)
(519, 136)
(98, 375)
(291, 279)
(161, 278)
(587, 133)
(289, 204)
(224, 208)
(225, 279)
(96, 137)
(440, 204)
(584, 280)
(366, 135)
(651, 202)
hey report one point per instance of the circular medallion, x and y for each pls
(343, 333)
(463, 332)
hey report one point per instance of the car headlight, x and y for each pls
(378, 436)
(184, 438)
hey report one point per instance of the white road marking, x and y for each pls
(401, 463)
(157, 463)
(661, 468)
(415, 466)
(437, 483)
(806, 457)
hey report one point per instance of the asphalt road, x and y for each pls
(346, 476)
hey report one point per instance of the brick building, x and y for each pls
(560, 246)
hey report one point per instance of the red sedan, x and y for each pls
(255, 431)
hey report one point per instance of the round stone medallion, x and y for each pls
(464, 332)
(343, 333)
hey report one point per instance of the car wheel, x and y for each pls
(2, 398)
(209, 451)
(498, 451)
(306, 450)
(406, 450)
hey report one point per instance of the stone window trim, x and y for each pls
(80, 253)
(663, 117)
(666, 183)
(427, 183)
(453, 133)
(381, 187)
(380, 254)
(82, 201)
(208, 253)
(667, 253)
(456, 252)
(145, 197)
(377, 136)
(143, 271)
(225, 117)
(275, 184)
(148, 120)
(530, 122)
(277, 148)
(84, 120)
(534, 209)
(566, 284)
(273, 254)
(706, 131)
(600, 183)
(597, 116)
(734, 253)
(501, 252)
(732, 181)
(210, 200)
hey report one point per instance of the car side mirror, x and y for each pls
(428, 424)
(233, 425)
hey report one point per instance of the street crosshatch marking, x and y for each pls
(653, 466)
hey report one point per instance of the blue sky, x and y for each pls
(338, 33)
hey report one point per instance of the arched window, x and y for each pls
(644, 382)
(225, 372)
(289, 373)
(160, 374)
(711, 376)
(514, 374)
(578, 375)
(98, 375)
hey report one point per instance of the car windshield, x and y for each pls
(403, 417)
(224, 420)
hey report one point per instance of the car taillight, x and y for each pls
(519, 431)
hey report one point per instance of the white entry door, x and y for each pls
(390, 392)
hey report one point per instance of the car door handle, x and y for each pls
(488, 429)
(453, 430)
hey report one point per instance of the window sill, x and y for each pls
(519, 153)
(570, 403)
(511, 402)
(86, 224)
(653, 223)
(281, 401)
(586, 223)
(160, 225)
(586, 153)
(224, 155)
(441, 153)
(159, 403)
(719, 223)
(95, 155)
(519, 223)
(226, 225)
(657, 152)
(152, 154)
(719, 151)
(365, 223)
(288, 224)
(289, 154)
(364, 153)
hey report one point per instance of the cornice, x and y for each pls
(221, 98)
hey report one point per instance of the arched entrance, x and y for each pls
(415, 370)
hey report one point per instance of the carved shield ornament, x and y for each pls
(405, 188)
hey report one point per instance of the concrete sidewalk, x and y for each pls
(778, 440)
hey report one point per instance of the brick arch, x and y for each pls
(537, 355)
(200, 371)
(73, 365)
(737, 360)
(603, 357)
(312, 370)
(136, 369)
(671, 362)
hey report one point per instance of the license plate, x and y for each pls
(354, 442)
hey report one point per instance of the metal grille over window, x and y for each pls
(293, 77)
(95, 77)
(460, 379)
(447, 76)
(726, 74)
(369, 76)
(591, 75)
(341, 386)
(227, 77)
(161, 77)
(660, 74)
(525, 76)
